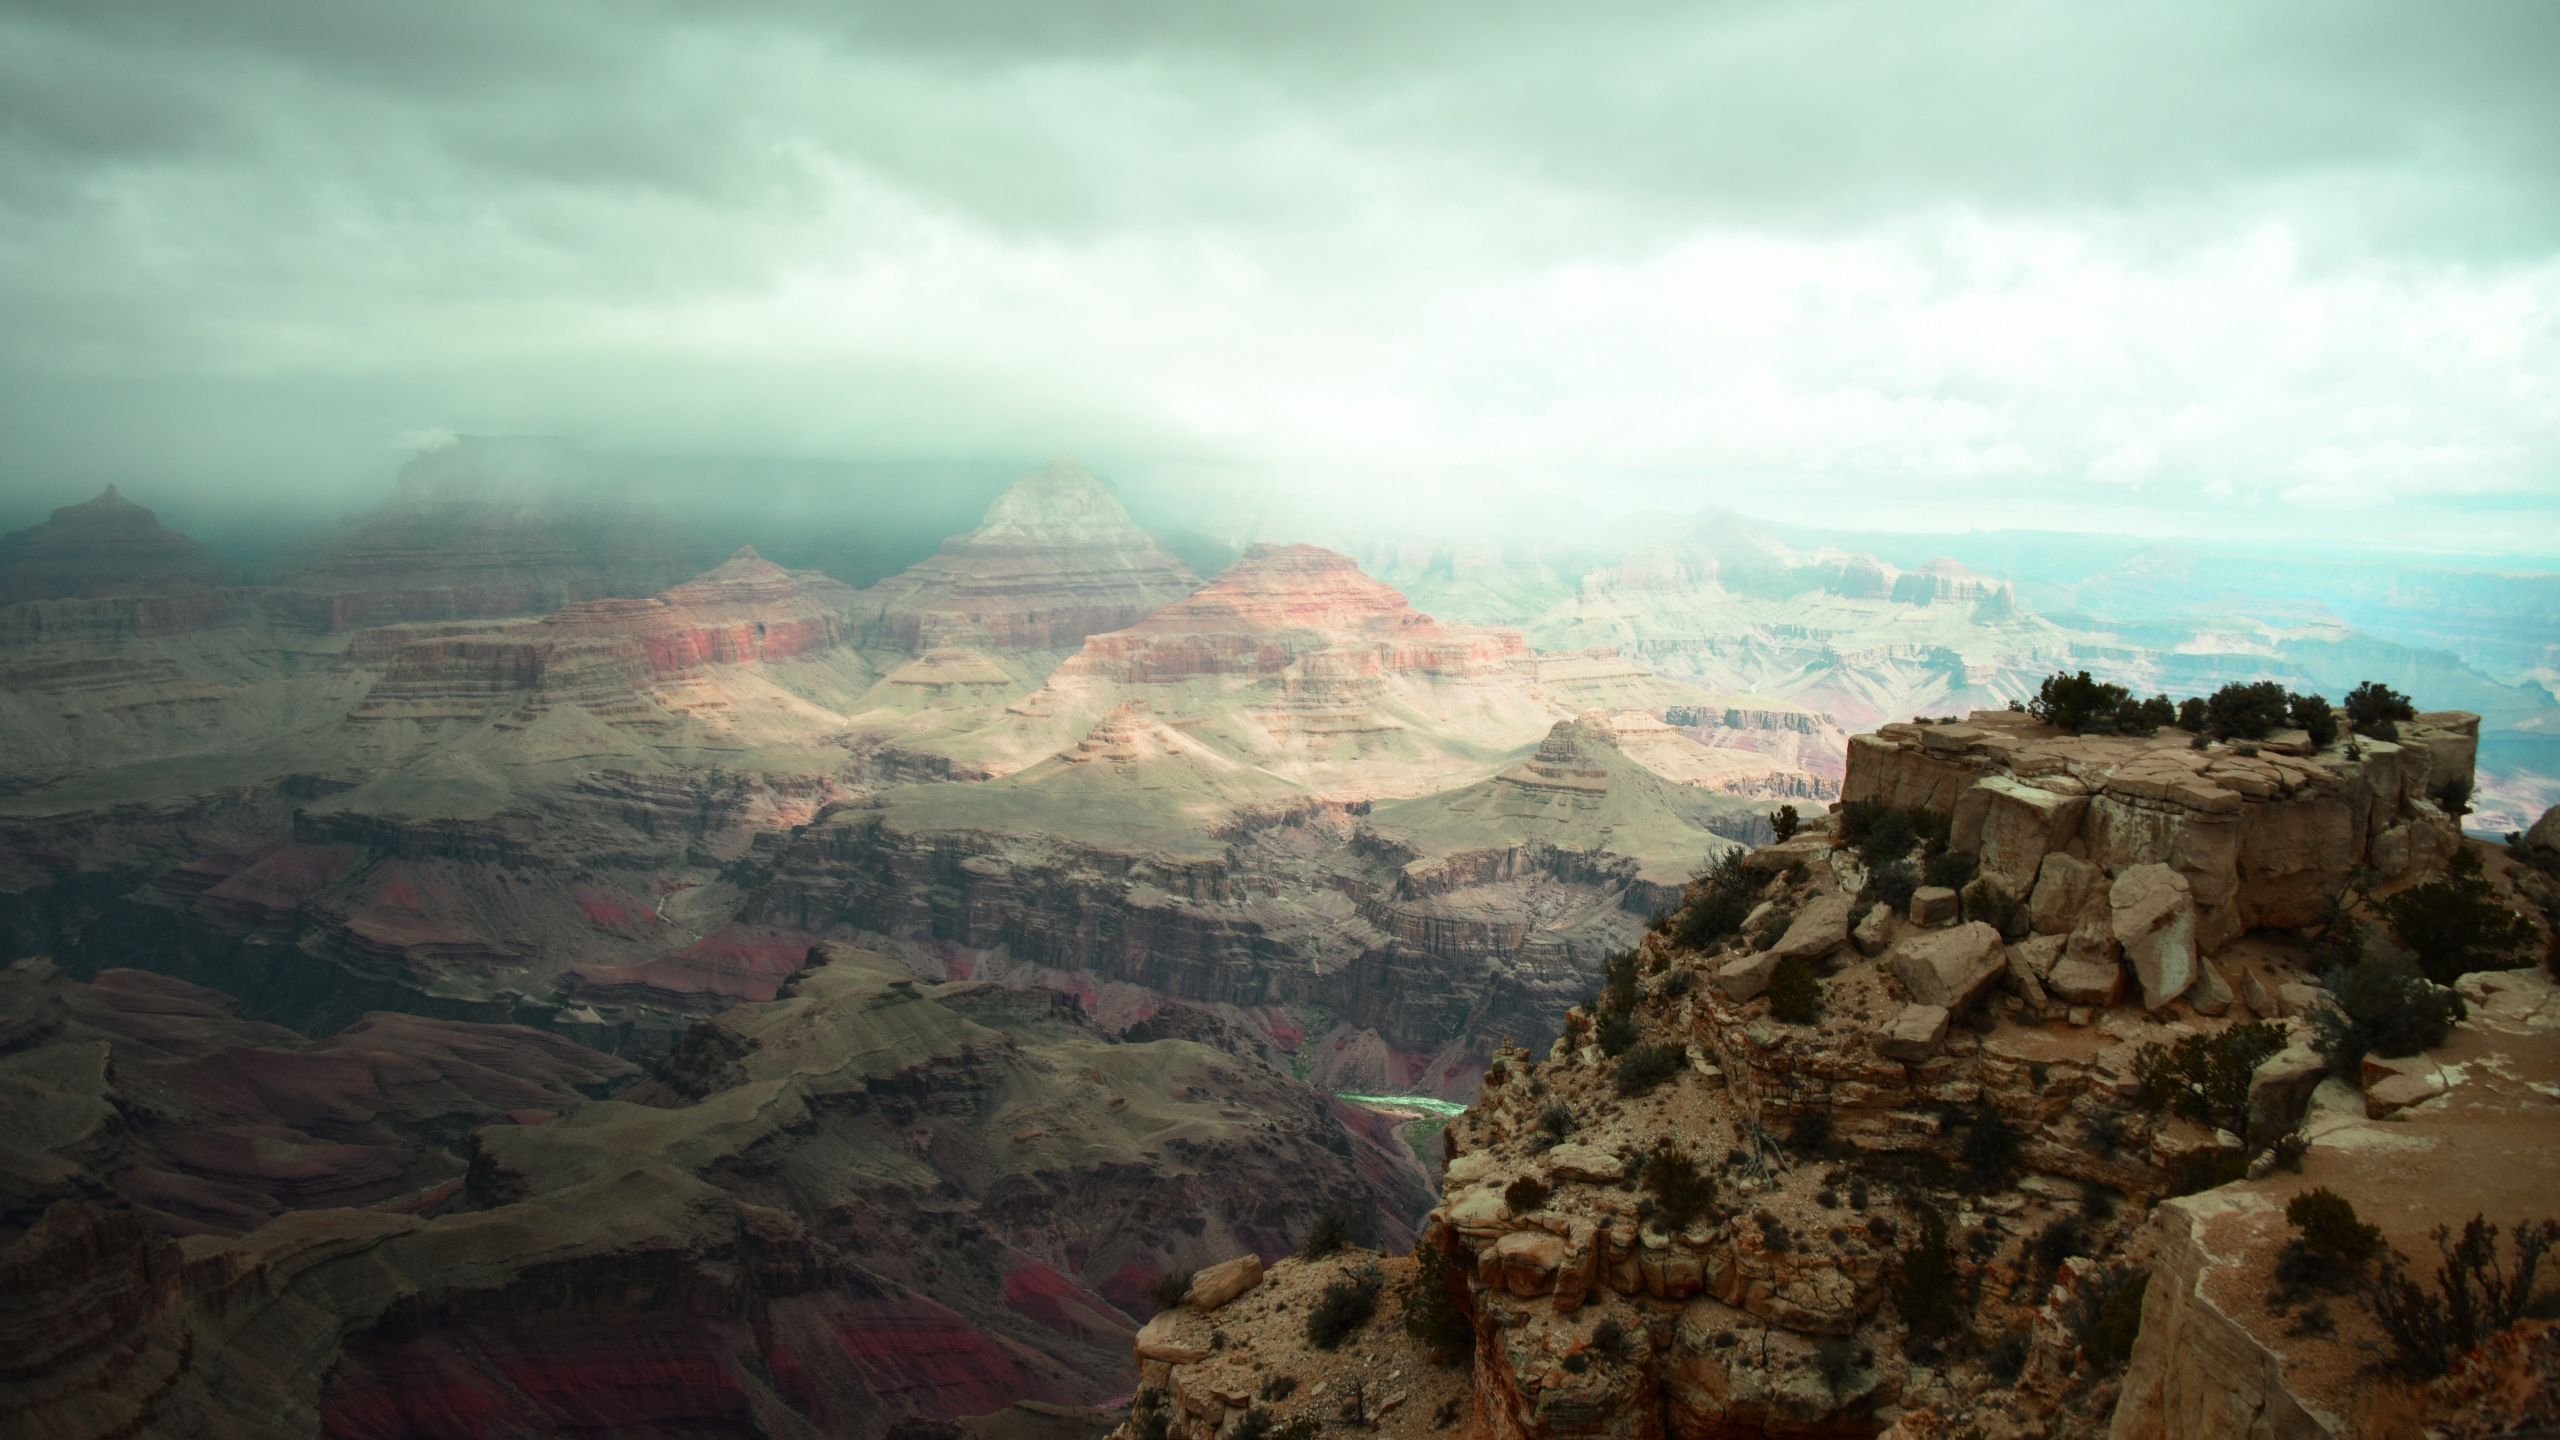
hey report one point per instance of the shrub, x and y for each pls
(1169, 1288)
(1610, 1338)
(1432, 1313)
(1619, 989)
(1525, 1194)
(2381, 1007)
(2153, 713)
(2373, 704)
(1795, 994)
(1718, 900)
(1952, 868)
(2330, 1244)
(2077, 702)
(1990, 1148)
(1645, 1066)
(1346, 1304)
(1556, 1120)
(1784, 822)
(1616, 1031)
(2454, 795)
(1836, 1358)
(2472, 1300)
(1926, 1290)
(2247, 711)
(2454, 923)
(1279, 1387)
(2057, 1242)
(2312, 714)
(2206, 1077)
(2007, 1359)
(1891, 887)
(1809, 1135)
(2110, 1320)
(1889, 839)
(2191, 714)
(1333, 1232)
(1681, 1191)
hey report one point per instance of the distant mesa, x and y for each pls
(103, 547)
(1056, 559)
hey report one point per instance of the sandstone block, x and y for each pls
(2280, 1088)
(2211, 994)
(1527, 1261)
(1820, 928)
(1587, 1163)
(1914, 1034)
(2398, 1092)
(2544, 837)
(2038, 954)
(1222, 1282)
(2259, 993)
(1950, 968)
(1933, 906)
(2153, 916)
(2024, 977)
(2064, 886)
(1746, 978)
(1874, 930)
(2075, 981)
(1167, 1339)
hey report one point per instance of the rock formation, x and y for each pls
(864, 1200)
(1057, 559)
(107, 546)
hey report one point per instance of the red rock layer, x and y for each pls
(1281, 604)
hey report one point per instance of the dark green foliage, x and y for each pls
(2312, 714)
(1836, 1358)
(2006, 1360)
(1718, 900)
(2110, 1318)
(1857, 817)
(2191, 714)
(1889, 839)
(1150, 1417)
(1169, 1288)
(1681, 1192)
(2206, 1077)
(1619, 992)
(2473, 1298)
(1809, 1136)
(1525, 1194)
(1952, 868)
(2153, 713)
(1336, 1229)
(1784, 822)
(1990, 1148)
(1609, 1338)
(2207, 1170)
(2057, 1242)
(2454, 795)
(1346, 1304)
(1556, 1120)
(1432, 1312)
(2341, 940)
(1927, 1290)
(1795, 993)
(2373, 704)
(2078, 703)
(2247, 711)
(2383, 1007)
(2455, 923)
(1646, 1066)
(1891, 887)
(2330, 1244)
(1615, 1032)
(1279, 1387)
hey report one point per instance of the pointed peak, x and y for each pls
(1062, 502)
(109, 495)
(746, 555)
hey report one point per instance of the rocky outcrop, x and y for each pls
(1056, 560)
(2260, 840)
(106, 547)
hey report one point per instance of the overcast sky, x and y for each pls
(2212, 268)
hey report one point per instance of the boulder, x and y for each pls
(2075, 981)
(1874, 930)
(2259, 993)
(2063, 889)
(2011, 826)
(1914, 1034)
(1588, 1163)
(1745, 978)
(1527, 1261)
(2280, 1089)
(1165, 1338)
(2152, 915)
(1222, 1282)
(1950, 968)
(1933, 906)
(2211, 994)
(1820, 928)
(2544, 837)
(2024, 977)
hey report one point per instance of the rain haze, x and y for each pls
(2173, 270)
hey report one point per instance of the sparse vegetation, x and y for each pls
(1680, 1191)
(1927, 1290)
(1336, 1229)
(1347, 1303)
(2330, 1246)
(2006, 1360)
(1891, 887)
(1809, 1135)
(1432, 1313)
(2247, 711)
(1990, 1148)
(1525, 1194)
(1795, 993)
(1555, 1121)
(2381, 1006)
(1169, 1288)
(1952, 868)
(2084, 705)
(2311, 715)
(2111, 1318)
(1645, 1066)
(2205, 1078)
(1718, 901)
(2455, 924)
(2376, 709)
(1784, 822)
(1615, 1031)
(2191, 715)
(2472, 1299)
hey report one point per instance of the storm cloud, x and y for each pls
(2178, 268)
